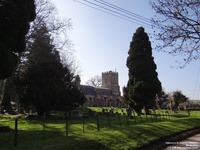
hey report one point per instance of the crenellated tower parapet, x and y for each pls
(110, 81)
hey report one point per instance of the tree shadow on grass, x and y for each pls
(162, 133)
(53, 136)
(46, 140)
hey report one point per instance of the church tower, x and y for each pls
(110, 81)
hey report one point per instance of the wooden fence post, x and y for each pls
(163, 114)
(83, 125)
(16, 131)
(140, 118)
(160, 116)
(135, 118)
(43, 124)
(156, 116)
(119, 120)
(126, 119)
(147, 119)
(109, 120)
(97, 122)
(168, 115)
(67, 127)
(151, 118)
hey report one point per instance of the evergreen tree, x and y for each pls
(179, 98)
(162, 98)
(143, 83)
(45, 12)
(15, 16)
(46, 84)
(125, 95)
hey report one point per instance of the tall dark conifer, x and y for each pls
(15, 16)
(143, 82)
(45, 84)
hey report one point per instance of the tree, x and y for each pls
(125, 95)
(59, 28)
(15, 16)
(2, 87)
(95, 81)
(162, 99)
(179, 98)
(45, 14)
(178, 24)
(143, 83)
(126, 98)
(77, 80)
(46, 84)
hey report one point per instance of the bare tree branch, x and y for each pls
(178, 22)
(47, 14)
(95, 81)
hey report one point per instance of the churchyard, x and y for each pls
(99, 130)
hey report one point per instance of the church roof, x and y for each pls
(88, 90)
(97, 91)
(103, 88)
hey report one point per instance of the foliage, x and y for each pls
(178, 24)
(95, 81)
(125, 94)
(15, 16)
(77, 80)
(45, 14)
(163, 99)
(126, 99)
(7, 93)
(179, 97)
(59, 28)
(143, 83)
(46, 84)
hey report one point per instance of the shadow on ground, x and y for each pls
(161, 143)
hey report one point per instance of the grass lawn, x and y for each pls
(133, 133)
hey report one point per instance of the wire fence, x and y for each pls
(84, 123)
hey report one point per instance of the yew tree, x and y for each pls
(16, 11)
(15, 16)
(45, 84)
(143, 83)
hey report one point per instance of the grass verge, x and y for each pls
(32, 135)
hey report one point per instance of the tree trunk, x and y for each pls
(146, 110)
(6, 100)
(138, 111)
(2, 85)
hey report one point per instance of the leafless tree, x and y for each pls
(46, 13)
(177, 25)
(95, 81)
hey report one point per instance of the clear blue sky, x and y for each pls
(101, 42)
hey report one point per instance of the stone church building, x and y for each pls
(107, 95)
